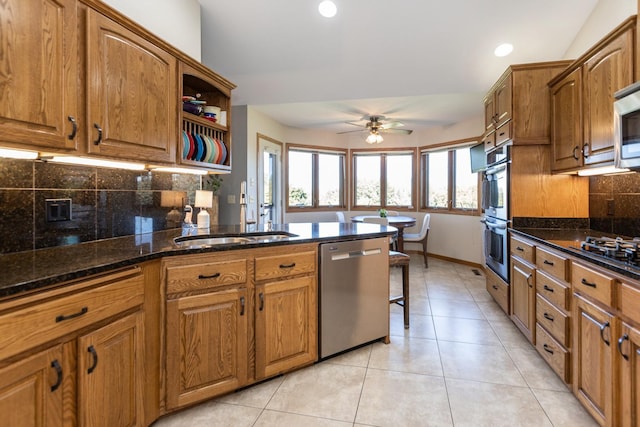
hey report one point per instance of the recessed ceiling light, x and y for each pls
(327, 9)
(504, 49)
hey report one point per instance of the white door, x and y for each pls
(270, 183)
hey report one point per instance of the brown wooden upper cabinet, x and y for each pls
(132, 94)
(517, 107)
(582, 101)
(39, 90)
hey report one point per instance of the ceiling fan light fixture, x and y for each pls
(327, 8)
(374, 138)
(503, 50)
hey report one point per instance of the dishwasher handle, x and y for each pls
(355, 254)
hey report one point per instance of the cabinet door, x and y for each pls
(206, 346)
(31, 391)
(503, 101)
(132, 94)
(606, 72)
(523, 298)
(38, 89)
(592, 364)
(566, 122)
(286, 325)
(629, 357)
(489, 113)
(111, 374)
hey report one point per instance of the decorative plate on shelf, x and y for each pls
(185, 145)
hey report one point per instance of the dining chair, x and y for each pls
(340, 216)
(421, 237)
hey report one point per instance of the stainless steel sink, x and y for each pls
(195, 242)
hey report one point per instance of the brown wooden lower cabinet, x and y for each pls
(523, 297)
(628, 355)
(593, 345)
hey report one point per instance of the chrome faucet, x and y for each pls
(243, 206)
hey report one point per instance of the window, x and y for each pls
(383, 179)
(315, 178)
(447, 181)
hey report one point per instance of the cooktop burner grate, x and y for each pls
(627, 251)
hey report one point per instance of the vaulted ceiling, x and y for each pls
(423, 62)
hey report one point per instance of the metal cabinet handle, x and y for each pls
(546, 261)
(62, 317)
(99, 140)
(212, 276)
(93, 352)
(546, 288)
(241, 306)
(293, 264)
(261, 297)
(494, 287)
(547, 349)
(587, 283)
(548, 317)
(74, 127)
(585, 150)
(575, 151)
(56, 365)
(518, 248)
(622, 339)
(602, 328)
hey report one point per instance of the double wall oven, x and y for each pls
(495, 202)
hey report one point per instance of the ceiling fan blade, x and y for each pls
(362, 125)
(400, 131)
(390, 125)
(352, 131)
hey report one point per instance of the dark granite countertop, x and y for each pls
(43, 268)
(568, 241)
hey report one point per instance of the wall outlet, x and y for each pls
(231, 199)
(58, 210)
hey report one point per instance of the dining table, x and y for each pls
(398, 221)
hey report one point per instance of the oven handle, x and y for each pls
(493, 225)
(495, 169)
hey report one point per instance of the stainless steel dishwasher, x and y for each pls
(354, 294)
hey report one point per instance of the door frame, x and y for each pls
(261, 141)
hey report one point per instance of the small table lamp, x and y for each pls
(173, 199)
(204, 200)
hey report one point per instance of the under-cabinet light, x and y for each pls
(90, 161)
(10, 153)
(180, 170)
(604, 170)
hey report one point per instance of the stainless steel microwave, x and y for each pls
(626, 127)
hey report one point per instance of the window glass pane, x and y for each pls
(438, 165)
(329, 181)
(399, 177)
(367, 180)
(300, 178)
(466, 183)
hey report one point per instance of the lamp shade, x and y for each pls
(204, 199)
(172, 199)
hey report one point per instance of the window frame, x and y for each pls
(450, 147)
(383, 152)
(315, 150)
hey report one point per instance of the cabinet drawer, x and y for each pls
(555, 355)
(206, 275)
(489, 141)
(503, 133)
(553, 264)
(589, 282)
(557, 293)
(498, 290)
(553, 320)
(630, 301)
(28, 327)
(523, 249)
(273, 267)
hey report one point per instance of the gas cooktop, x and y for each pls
(623, 250)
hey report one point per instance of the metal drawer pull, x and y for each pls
(213, 276)
(518, 248)
(293, 264)
(261, 296)
(241, 306)
(548, 316)
(56, 365)
(74, 127)
(62, 317)
(546, 288)
(587, 283)
(547, 262)
(622, 339)
(93, 352)
(602, 328)
(547, 349)
(99, 140)
(494, 287)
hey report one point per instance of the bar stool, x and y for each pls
(401, 259)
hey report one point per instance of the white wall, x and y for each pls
(607, 15)
(176, 22)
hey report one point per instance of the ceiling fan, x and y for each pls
(375, 126)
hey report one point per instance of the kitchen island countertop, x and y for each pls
(44, 268)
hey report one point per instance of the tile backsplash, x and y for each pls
(614, 204)
(105, 202)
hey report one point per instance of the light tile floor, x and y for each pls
(461, 363)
